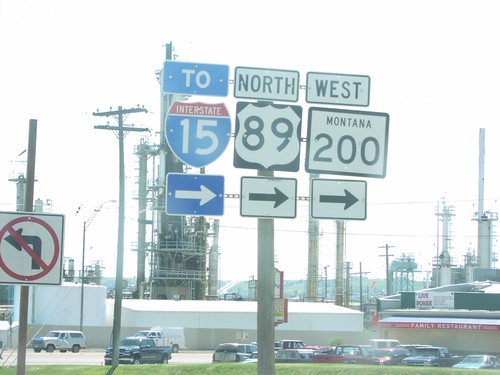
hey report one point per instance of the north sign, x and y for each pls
(267, 136)
(351, 143)
(268, 197)
(195, 79)
(198, 133)
(31, 248)
(195, 195)
(334, 88)
(337, 199)
(266, 84)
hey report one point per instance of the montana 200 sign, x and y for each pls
(198, 133)
(352, 143)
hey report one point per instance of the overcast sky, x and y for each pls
(433, 67)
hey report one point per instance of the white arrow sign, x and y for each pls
(268, 197)
(205, 195)
(338, 199)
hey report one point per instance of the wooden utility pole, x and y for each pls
(121, 129)
(25, 289)
(387, 270)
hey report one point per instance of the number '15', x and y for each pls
(202, 131)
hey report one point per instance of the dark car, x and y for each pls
(356, 354)
(435, 356)
(232, 352)
(390, 356)
(478, 361)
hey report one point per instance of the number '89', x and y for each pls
(253, 139)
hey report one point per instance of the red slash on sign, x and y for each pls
(32, 245)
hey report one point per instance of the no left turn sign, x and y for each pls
(31, 248)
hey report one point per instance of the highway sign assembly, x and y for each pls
(352, 143)
(198, 133)
(31, 248)
(195, 79)
(266, 84)
(268, 197)
(333, 88)
(267, 136)
(337, 199)
(195, 194)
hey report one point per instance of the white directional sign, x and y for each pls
(195, 194)
(31, 248)
(352, 143)
(194, 78)
(266, 84)
(267, 136)
(338, 199)
(333, 88)
(268, 197)
(198, 133)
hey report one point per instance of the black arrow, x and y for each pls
(30, 240)
(278, 197)
(348, 199)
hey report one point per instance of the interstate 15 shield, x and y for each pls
(198, 133)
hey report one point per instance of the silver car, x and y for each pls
(232, 352)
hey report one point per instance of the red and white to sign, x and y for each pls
(31, 248)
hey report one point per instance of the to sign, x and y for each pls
(352, 143)
(338, 199)
(332, 88)
(267, 136)
(31, 248)
(266, 84)
(196, 195)
(198, 133)
(196, 79)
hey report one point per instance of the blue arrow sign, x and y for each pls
(198, 133)
(195, 194)
(196, 79)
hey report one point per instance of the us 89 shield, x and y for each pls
(267, 136)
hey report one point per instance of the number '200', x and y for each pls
(342, 146)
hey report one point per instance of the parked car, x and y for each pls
(232, 352)
(390, 356)
(431, 356)
(252, 359)
(478, 361)
(384, 343)
(357, 354)
(60, 340)
(289, 344)
(285, 356)
(294, 355)
(137, 350)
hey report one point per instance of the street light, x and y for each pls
(86, 224)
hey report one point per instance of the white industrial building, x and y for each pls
(206, 323)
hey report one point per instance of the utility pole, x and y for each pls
(387, 273)
(360, 273)
(121, 129)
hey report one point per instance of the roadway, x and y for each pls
(94, 357)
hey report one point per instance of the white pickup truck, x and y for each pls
(165, 336)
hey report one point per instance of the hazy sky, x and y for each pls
(433, 67)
